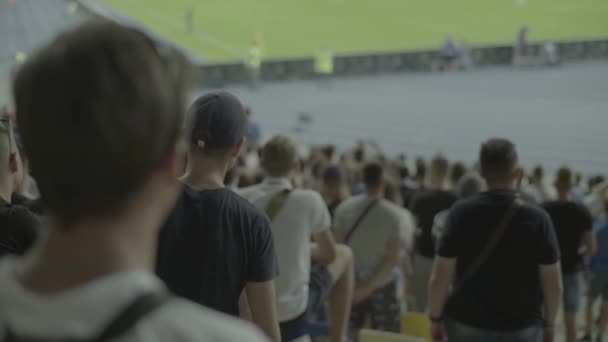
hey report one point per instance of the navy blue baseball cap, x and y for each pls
(218, 121)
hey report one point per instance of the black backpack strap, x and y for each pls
(132, 314)
(357, 223)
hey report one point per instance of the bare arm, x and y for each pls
(263, 308)
(439, 284)
(551, 277)
(324, 248)
(390, 261)
(590, 244)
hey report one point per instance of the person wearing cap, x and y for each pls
(574, 227)
(216, 246)
(311, 274)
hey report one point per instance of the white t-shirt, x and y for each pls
(82, 312)
(303, 214)
(384, 222)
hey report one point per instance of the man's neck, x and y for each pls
(206, 174)
(70, 256)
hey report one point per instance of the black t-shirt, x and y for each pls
(213, 244)
(18, 229)
(426, 204)
(505, 294)
(571, 221)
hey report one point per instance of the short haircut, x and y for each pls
(498, 159)
(99, 109)
(440, 166)
(373, 175)
(538, 172)
(278, 156)
(563, 178)
(420, 168)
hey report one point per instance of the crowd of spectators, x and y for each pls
(156, 221)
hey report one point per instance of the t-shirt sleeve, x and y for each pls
(450, 243)
(263, 264)
(321, 219)
(548, 247)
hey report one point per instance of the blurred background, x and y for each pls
(406, 76)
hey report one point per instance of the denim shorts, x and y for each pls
(572, 291)
(458, 332)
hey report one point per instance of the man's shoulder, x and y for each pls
(306, 196)
(181, 320)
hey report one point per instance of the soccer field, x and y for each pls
(224, 29)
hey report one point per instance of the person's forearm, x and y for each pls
(553, 295)
(438, 292)
(387, 267)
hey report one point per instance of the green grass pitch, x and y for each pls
(294, 28)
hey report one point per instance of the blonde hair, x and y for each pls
(278, 156)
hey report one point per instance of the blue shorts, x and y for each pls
(458, 332)
(572, 292)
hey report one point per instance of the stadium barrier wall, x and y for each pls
(303, 68)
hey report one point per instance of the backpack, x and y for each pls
(120, 325)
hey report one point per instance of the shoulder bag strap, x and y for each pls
(132, 314)
(276, 203)
(357, 223)
(501, 228)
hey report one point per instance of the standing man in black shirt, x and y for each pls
(18, 225)
(215, 243)
(574, 227)
(426, 204)
(502, 258)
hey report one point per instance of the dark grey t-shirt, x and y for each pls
(213, 244)
(505, 294)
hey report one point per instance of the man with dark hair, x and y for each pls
(109, 97)
(538, 190)
(334, 188)
(426, 205)
(297, 216)
(574, 227)
(18, 226)
(377, 231)
(211, 223)
(503, 258)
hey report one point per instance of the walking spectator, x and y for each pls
(296, 216)
(574, 228)
(211, 223)
(598, 285)
(116, 99)
(457, 171)
(502, 258)
(426, 205)
(376, 230)
(411, 185)
(18, 226)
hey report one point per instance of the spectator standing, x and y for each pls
(18, 226)
(598, 285)
(211, 223)
(91, 277)
(426, 205)
(334, 188)
(574, 228)
(253, 63)
(503, 258)
(254, 134)
(297, 216)
(376, 230)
